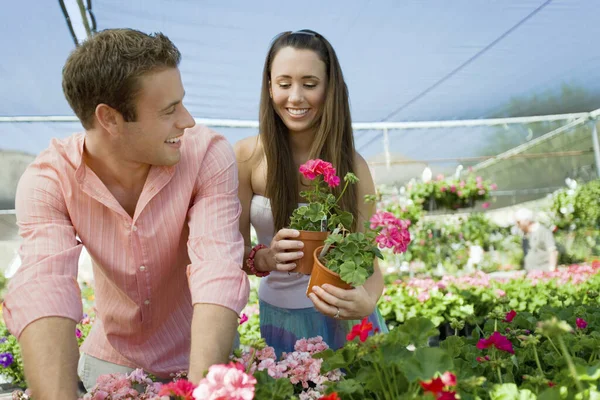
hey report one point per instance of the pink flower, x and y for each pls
(226, 382)
(460, 194)
(510, 316)
(395, 238)
(440, 177)
(500, 293)
(423, 297)
(362, 330)
(453, 188)
(443, 189)
(243, 319)
(481, 192)
(581, 323)
(78, 333)
(331, 178)
(485, 205)
(449, 378)
(311, 346)
(498, 341)
(383, 219)
(313, 168)
(462, 184)
(493, 186)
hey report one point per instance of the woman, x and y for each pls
(304, 114)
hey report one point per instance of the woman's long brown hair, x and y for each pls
(333, 141)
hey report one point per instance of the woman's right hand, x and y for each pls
(284, 251)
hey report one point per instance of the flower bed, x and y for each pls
(534, 337)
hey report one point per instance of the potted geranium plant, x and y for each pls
(347, 258)
(321, 214)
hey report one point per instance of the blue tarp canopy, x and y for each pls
(402, 60)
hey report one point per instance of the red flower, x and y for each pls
(331, 396)
(581, 323)
(434, 386)
(243, 318)
(551, 384)
(438, 385)
(182, 389)
(362, 330)
(498, 341)
(447, 396)
(510, 316)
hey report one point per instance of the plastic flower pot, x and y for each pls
(322, 275)
(311, 241)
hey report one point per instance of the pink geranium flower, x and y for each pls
(226, 382)
(510, 316)
(498, 341)
(313, 168)
(243, 319)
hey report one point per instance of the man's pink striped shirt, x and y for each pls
(182, 247)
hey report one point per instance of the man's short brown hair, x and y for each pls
(105, 69)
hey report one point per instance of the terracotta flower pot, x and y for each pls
(311, 241)
(322, 275)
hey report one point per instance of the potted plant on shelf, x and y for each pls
(347, 258)
(321, 214)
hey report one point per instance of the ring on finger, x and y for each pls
(337, 314)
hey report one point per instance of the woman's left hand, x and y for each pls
(341, 303)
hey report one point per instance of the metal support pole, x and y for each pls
(386, 148)
(596, 146)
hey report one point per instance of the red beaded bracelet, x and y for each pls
(250, 261)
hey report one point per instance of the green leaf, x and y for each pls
(427, 361)
(416, 331)
(269, 388)
(588, 373)
(509, 391)
(352, 275)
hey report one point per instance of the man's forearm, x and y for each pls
(213, 332)
(50, 356)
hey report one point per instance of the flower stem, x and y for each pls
(554, 346)
(499, 375)
(341, 194)
(251, 361)
(537, 361)
(572, 370)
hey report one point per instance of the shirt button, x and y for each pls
(147, 302)
(134, 228)
(143, 268)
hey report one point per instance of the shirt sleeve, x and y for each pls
(45, 285)
(216, 246)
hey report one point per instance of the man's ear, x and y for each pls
(109, 118)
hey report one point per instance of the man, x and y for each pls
(539, 247)
(154, 201)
